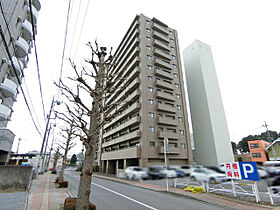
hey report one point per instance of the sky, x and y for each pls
(243, 35)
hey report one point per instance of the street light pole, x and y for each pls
(270, 140)
(165, 147)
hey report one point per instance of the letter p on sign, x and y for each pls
(248, 169)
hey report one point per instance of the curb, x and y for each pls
(185, 195)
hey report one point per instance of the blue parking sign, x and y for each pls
(249, 171)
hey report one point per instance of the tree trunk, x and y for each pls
(55, 160)
(64, 159)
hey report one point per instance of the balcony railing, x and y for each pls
(18, 66)
(8, 88)
(129, 136)
(7, 138)
(27, 30)
(164, 85)
(165, 96)
(160, 37)
(130, 122)
(133, 152)
(162, 64)
(159, 28)
(161, 54)
(171, 150)
(5, 112)
(167, 121)
(169, 135)
(165, 108)
(21, 48)
(163, 74)
(34, 15)
(160, 45)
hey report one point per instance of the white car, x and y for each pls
(170, 173)
(135, 172)
(207, 175)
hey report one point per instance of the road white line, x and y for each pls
(143, 204)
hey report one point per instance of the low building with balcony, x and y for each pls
(258, 150)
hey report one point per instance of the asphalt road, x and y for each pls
(109, 195)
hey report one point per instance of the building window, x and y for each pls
(151, 115)
(171, 40)
(180, 119)
(149, 67)
(148, 30)
(152, 129)
(148, 38)
(171, 32)
(160, 129)
(254, 146)
(175, 75)
(150, 78)
(148, 22)
(178, 107)
(152, 144)
(149, 57)
(176, 85)
(173, 56)
(181, 132)
(256, 155)
(150, 89)
(177, 95)
(174, 66)
(150, 101)
(183, 146)
(149, 47)
(172, 48)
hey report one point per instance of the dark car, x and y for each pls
(155, 173)
(179, 173)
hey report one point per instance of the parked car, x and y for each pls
(217, 169)
(263, 172)
(135, 172)
(155, 173)
(167, 173)
(185, 168)
(179, 173)
(208, 175)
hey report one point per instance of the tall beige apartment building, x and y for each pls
(151, 98)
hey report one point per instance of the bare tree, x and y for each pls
(90, 118)
(66, 146)
(56, 156)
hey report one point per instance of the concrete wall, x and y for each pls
(15, 177)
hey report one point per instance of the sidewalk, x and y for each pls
(204, 197)
(43, 194)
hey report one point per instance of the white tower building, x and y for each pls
(210, 131)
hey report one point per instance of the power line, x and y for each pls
(37, 63)
(65, 39)
(13, 67)
(81, 29)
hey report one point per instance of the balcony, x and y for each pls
(130, 122)
(8, 88)
(159, 28)
(135, 107)
(27, 30)
(18, 67)
(5, 112)
(165, 108)
(133, 152)
(162, 64)
(34, 15)
(161, 54)
(129, 136)
(21, 48)
(163, 74)
(169, 135)
(164, 85)
(36, 4)
(167, 121)
(7, 138)
(161, 37)
(171, 150)
(160, 45)
(165, 96)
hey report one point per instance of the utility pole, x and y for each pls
(270, 140)
(18, 144)
(40, 162)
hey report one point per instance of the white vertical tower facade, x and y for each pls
(210, 131)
